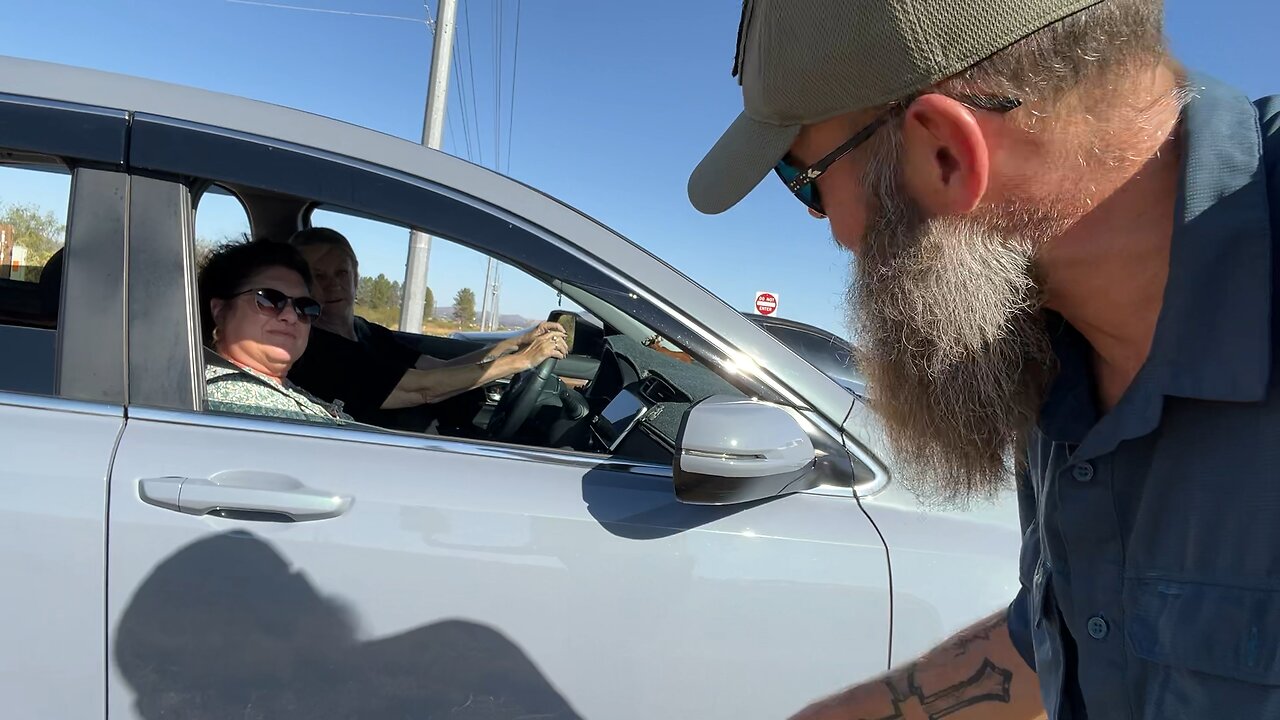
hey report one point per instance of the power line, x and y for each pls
(282, 6)
(497, 85)
(453, 137)
(462, 103)
(475, 114)
(515, 67)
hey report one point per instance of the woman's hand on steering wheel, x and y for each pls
(518, 403)
(551, 344)
(540, 330)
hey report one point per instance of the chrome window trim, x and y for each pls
(879, 475)
(432, 443)
(57, 404)
(80, 132)
(46, 103)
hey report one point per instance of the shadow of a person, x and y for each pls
(225, 628)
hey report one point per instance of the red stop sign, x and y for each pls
(766, 303)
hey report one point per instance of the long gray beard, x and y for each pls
(950, 337)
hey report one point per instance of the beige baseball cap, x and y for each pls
(804, 61)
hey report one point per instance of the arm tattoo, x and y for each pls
(980, 633)
(910, 701)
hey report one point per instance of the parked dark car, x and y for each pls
(826, 351)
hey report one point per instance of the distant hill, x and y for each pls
(507, 321)
(514, 321)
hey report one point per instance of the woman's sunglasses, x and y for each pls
(273, 302)
(801, 181)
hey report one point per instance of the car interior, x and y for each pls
(622, 391)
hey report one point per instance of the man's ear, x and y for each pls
(216, 307)
(946, 159)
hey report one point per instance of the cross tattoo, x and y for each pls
(989, 684)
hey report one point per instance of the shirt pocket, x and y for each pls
(1222, 630)
(1211, 650)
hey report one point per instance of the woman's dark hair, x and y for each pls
(227, 268)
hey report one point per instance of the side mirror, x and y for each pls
(733, 450)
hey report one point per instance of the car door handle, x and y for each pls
(243, 495)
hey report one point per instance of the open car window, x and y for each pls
(615, 393)
(467, 290)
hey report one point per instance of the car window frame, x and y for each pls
(188, 151)
(90, 142)
(184, 149)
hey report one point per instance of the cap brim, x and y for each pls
(740, 159)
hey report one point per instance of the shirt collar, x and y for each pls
(216, 366)
(1213, 336)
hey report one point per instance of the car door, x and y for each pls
(423, 576)
(62, 396)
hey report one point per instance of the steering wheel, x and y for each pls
(520, 399)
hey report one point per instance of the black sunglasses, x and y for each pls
(273, 302)
(801, 181)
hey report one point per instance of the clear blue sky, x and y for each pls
(615, 103)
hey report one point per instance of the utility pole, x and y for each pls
(497, 294)
(485, 298)
(415, 272)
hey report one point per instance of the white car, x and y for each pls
(689, 548)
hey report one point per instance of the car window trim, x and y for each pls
(87, 134)
(58, 404)
(374, 437)
(90, 143)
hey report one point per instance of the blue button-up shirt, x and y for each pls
(1151, 549)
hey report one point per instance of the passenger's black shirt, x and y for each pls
(360, 373)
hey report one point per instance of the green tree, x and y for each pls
(381, 293)
(464, 307)
(39, 232)
(429, 305)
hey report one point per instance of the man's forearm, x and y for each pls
(421, 387)
(975, 675)
(476, 357)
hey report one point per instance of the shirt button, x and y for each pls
(1098, 627)
(1082, 472)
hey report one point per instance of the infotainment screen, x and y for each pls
(622, 413)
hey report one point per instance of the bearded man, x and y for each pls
(1065, 260)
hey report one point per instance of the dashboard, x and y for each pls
(631, 406)
(638, 399)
